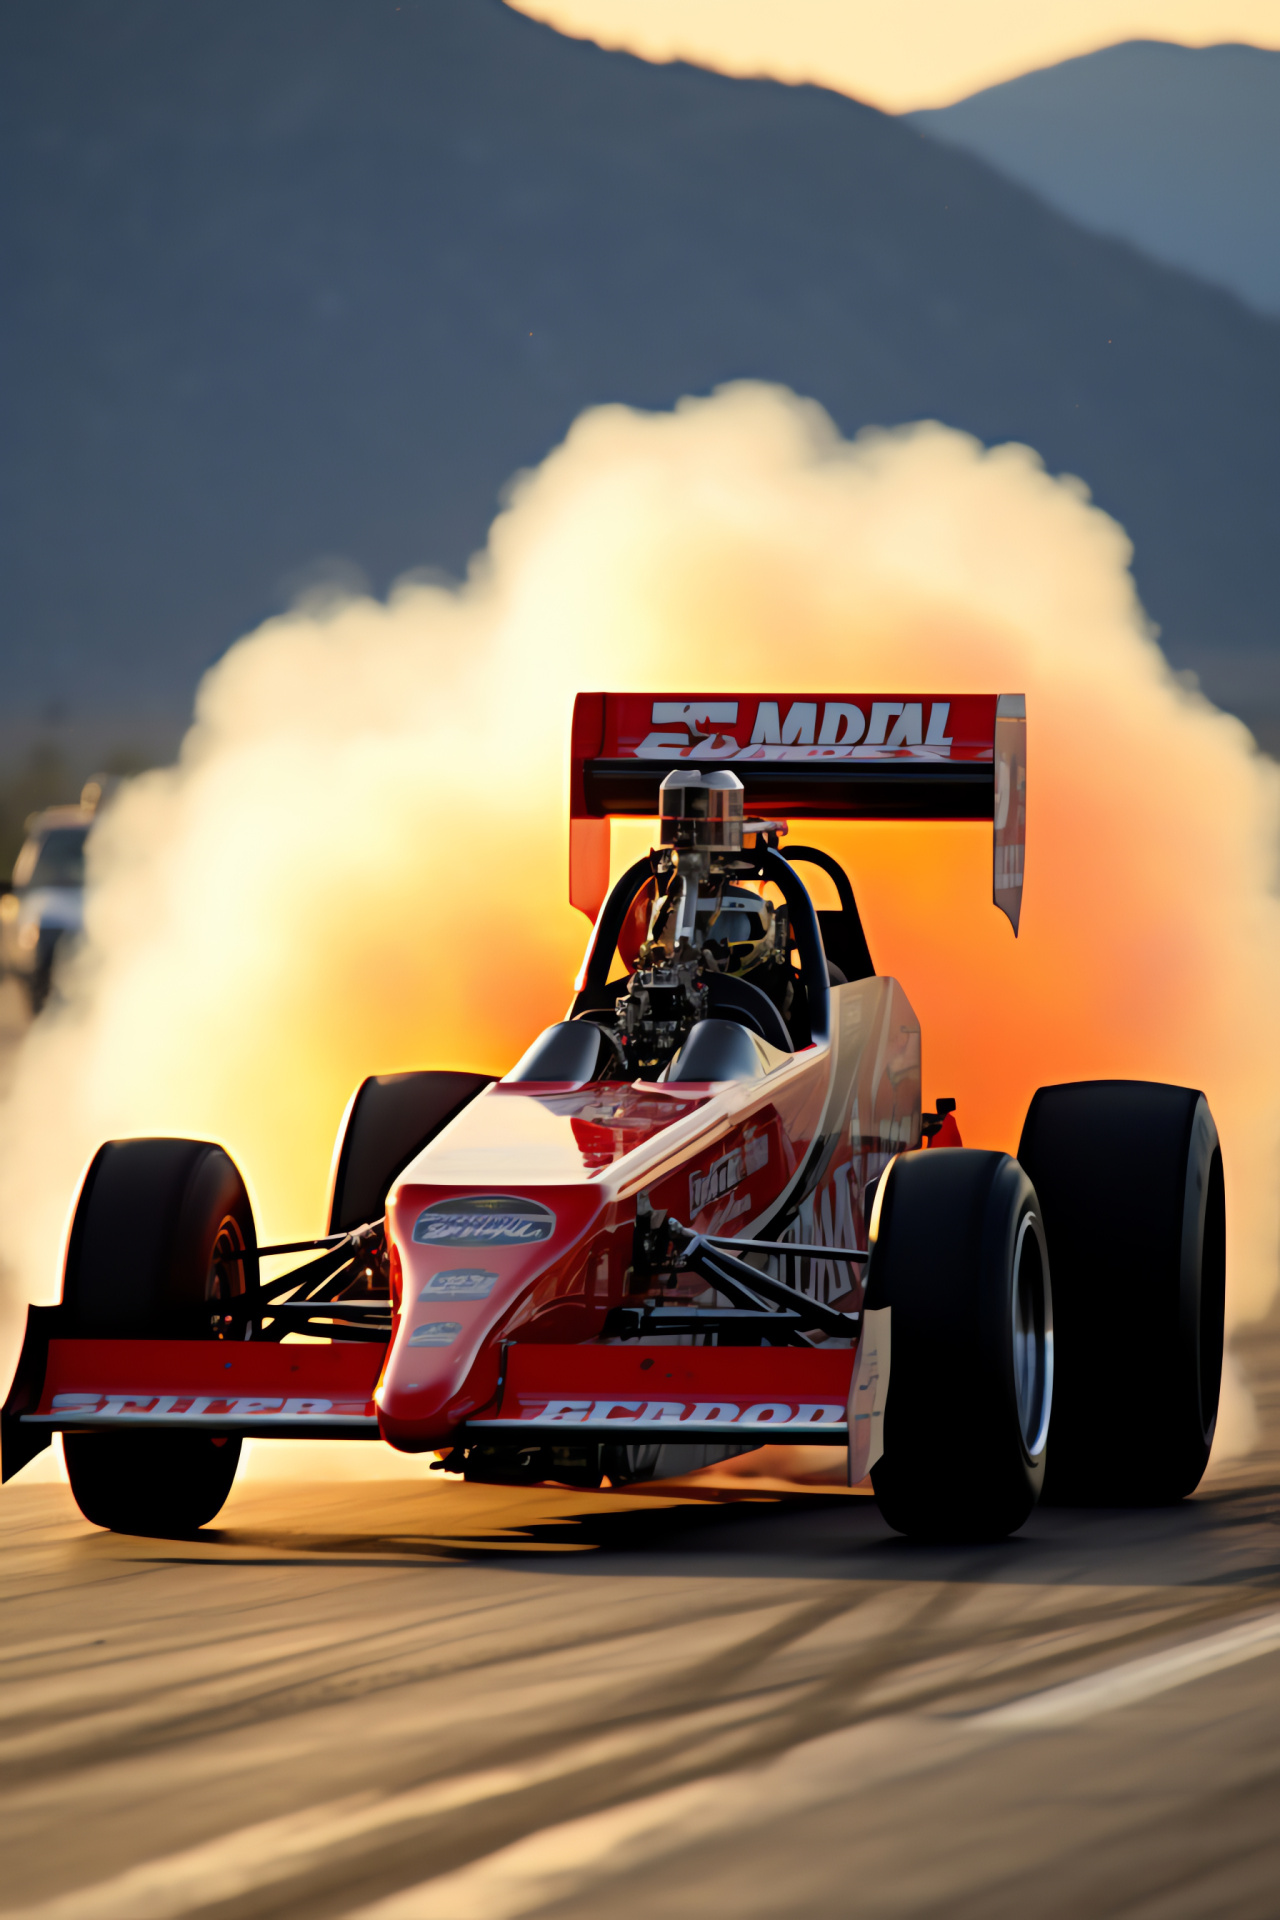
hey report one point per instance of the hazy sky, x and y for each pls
(909, 53)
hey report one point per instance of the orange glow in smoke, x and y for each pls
(360, 863)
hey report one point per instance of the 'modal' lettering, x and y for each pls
(692, 729)
(795, 731)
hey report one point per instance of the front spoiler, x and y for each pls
(549, 1395)
(635, 1391)
(258, 1389)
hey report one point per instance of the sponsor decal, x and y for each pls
(484, 1220)
(825, 1219)
(460, 1283)
(206, 1407)
(720, 1179)
(757, 1152)
(807, 730)
(676, 1413)
(691, 727)
(1009, 865)
(435, 1333)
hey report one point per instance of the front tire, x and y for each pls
(159, 1484)
(959, 1256)
(1129, 1173)
(162, 1241)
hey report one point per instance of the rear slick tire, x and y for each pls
(1129, 1174)
(958, 1255)
(161, 1243)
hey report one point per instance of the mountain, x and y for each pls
(289, 279)
(1174, 148)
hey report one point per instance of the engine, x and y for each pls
(703, 924)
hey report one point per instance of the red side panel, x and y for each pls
(236, 1387)
(588, 838)
(588, 866)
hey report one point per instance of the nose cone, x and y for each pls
(476, 1268)
(438, 1371)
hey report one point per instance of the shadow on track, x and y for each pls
(1219, 1540)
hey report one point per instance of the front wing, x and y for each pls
(630, 1392)
(638, 1392)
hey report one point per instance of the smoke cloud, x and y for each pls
(359, 862)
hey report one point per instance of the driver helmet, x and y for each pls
(739, 928)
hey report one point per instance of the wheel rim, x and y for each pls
(1213, 1280)
(225, 1277)
(1032, 1337)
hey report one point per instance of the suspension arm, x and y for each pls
(717, 1266)
(855, 1254)
(305, 1299)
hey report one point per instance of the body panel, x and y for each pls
(787, 1157)
(507, 1285)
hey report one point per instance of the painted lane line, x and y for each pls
(1136, 1680)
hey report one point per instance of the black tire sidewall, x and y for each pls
(166, 1483)
(955, 1462)
(138, 1267)
(1130, 1177)
(1013, 1210)
(142, 1237)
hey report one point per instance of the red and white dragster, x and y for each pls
(704, 1211)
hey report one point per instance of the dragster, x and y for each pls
(703, 1213)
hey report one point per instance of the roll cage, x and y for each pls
(834, 937)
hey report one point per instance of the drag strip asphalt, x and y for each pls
(428, 1701)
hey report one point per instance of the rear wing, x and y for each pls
(847, 756)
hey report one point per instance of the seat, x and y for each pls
(573, 1050)
(719, 1050)
(732, 998)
